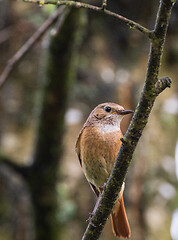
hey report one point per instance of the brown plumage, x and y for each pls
(97, 148)
(120, 224)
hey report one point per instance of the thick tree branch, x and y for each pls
(136, 127)
(28, 45)
(101, 9)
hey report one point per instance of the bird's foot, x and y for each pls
(91, 214)
(103, 187)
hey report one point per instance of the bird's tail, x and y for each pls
(120, 224)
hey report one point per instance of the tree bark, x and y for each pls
(44, 173)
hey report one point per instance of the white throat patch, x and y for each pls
(109, 128)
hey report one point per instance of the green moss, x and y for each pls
(173, 1)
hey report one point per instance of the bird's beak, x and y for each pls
(124, 112)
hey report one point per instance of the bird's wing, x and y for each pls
(77, 146)
(77, 149)
(95, 190)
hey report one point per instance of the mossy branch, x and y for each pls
(151, 89)
(102, 9)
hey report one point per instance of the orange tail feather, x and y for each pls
(120, 225)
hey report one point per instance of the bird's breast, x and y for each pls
(98, 149)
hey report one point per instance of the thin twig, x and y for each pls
(28, 45)
(74, 4)
(104, 4)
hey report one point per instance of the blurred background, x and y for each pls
(110, 65)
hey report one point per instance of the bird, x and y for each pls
(97, 147)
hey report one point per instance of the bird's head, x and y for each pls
(109, 113)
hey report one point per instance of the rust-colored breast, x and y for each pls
(98, 152)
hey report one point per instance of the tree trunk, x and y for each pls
(60, 73)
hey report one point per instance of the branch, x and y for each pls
(136, 127)
(28, 45)
(21, 170)
(162, 84)
(104, 4)
(101, 9)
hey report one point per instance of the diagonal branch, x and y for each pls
(20, 169)
(101, 9)
(28, 45)
(136, 127)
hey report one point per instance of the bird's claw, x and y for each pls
(90, 219)
(103, 187)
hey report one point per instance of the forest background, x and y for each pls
(111, 63)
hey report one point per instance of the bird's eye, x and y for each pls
(107, 109)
